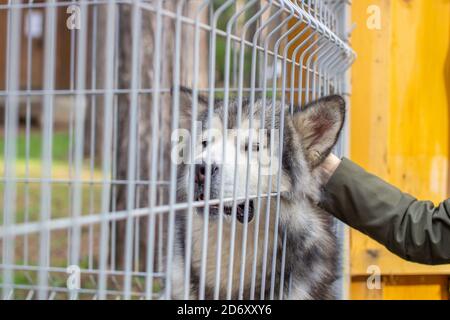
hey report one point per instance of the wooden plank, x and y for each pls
(402, 287)
(418, 149)
(400, 122)
(370, 88)
(360, 291)
(366, 252)
(399, 94)
(415, 288)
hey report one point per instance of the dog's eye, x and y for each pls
(204, 143)
(255, 147)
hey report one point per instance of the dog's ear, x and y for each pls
(186, 102)
(319, 125)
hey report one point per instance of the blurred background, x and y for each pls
(400, 128)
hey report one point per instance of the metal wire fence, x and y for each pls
(91, 93)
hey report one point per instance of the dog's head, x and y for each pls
(240, 150)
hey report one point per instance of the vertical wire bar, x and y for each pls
(323, 71)
(274, 135)
(92, 142)
(278, 201)
(70, 132)
(190, 191)
(218, 264)
(286, 293)
(283, 264)
(310, 71)
(106, 148)
(11, 128)
(317, 68)
(343, 231)
(207, 193)
(301, 60)
(154, 152)
(291, 110)
(332, 72)
(241, 70)
(212, 66)
(160, 224)
(116, 61)
(295, 54)
(228, 46)
(47, 145)
(271, 150)
(137, 223)
(135, 245)
(263, 84)
(230, 24)
(72, 54)
(132, 134)
(280, 156)
(27, 135)
(139, 184)
(188, 236)
(80, 105)
(174, 126)
(237, 7)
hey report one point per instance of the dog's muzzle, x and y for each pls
(200, 178)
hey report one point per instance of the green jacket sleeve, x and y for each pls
(415, 230)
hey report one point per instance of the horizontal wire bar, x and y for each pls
(83, 181)
(88, 92)
(62, 223)
(68, 291)
(20, 267)
(37, 5)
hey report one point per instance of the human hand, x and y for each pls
(328, 166)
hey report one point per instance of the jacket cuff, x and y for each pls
(334, 187)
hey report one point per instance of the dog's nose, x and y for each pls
(200, 172)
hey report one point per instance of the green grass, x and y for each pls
(60, 147)
(27, 208)
(28, 197)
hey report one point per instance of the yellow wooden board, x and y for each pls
(415, 288)
(360, 291)
(402, 287)
(419, 106)
(400, 118)
(366, 252)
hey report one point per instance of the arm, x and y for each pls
(415, 230)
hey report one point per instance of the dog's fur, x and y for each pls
(310, 257)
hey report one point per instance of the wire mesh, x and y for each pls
(91, 93)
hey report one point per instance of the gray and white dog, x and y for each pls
(242, 163)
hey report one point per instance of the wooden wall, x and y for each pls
(400, 128)
(62, 54)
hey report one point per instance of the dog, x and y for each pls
(284, 246)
